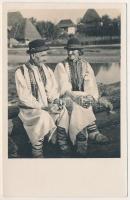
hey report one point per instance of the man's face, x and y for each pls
(73, 54)
(39, 57)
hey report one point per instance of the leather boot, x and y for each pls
(98, 138)
(82, 143)
(63, 140)
(95, 136)
(37, 149)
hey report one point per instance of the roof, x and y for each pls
(26, 31)
(9, 28)
(13, 41)
(14, 18)
(64, 23)
(91, 16)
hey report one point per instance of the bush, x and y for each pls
(59, 42)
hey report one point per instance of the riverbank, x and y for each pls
(93, 53)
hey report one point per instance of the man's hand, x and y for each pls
(54, 108)
(107, 104)
(59, 102)
(87, 101)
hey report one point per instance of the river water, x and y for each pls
(107, 72)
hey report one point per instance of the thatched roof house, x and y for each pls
(21, 29)
(91, 16)
(67, 26)
(90, 23)
(14, 18)
(65, 23)
(25, 31)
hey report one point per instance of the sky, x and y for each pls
(56, 15)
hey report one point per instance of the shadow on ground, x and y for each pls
(20, 147)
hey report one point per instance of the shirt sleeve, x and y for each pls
(25, 96)
(90, 84)
(62, 79)
(53, 89)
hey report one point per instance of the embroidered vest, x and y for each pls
(33, 83)
(76, 76)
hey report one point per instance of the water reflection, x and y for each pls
(106, 72)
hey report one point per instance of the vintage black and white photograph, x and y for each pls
(64, 99)
(64, 83)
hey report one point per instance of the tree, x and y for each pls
(107, 26)
(116, 26)
(48, 29)
(106, 19)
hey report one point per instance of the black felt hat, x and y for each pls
(37, 46)
(73, 44)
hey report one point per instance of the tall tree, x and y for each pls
(48, 29)
(106, 19)
(116, 25)
(107, 27)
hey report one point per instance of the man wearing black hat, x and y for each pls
(40, 107)
(77, 83)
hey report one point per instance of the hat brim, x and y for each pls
(74, 47)
(36, 50)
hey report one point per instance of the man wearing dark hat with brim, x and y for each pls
(40, 107)
(77, 84)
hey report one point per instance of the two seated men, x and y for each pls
(60, 102)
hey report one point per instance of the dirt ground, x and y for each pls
(108, 125)
(111, 150)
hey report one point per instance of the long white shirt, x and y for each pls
(80, 117)
(37, 122)
(64, 82)
(23, 86)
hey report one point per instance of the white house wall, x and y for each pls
(71, 30)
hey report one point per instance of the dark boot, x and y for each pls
(53, 139)
(82, 143)
(95, 136)
(98, 138)
(37, 149)
(63, 140)
(12, 148)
